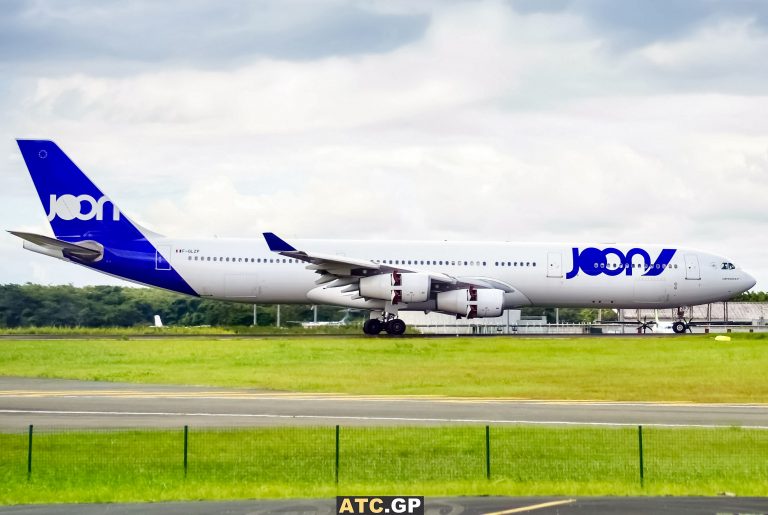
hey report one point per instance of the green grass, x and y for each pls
(114, 466)
(689, 368)
(172, 330)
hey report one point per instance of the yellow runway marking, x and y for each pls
(243, 395)
(533, 507)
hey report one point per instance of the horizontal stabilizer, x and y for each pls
(89, 251)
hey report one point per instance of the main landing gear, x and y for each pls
(393, 326)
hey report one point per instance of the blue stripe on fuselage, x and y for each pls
(136, 260)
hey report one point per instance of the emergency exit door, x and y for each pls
(692, 267)
(554, 264)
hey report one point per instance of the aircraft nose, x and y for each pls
(749, 281)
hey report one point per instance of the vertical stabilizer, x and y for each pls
(76, 208)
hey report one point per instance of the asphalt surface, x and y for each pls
(443, 506)
(88, 404)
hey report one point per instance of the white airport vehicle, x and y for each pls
(465, 279)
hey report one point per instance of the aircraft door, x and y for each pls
(160, 262)
(692, 267)
(554, 264)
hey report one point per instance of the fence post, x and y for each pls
(488, 452)
(640, 448)
(337, 454)
(29, 454)
(186, 448)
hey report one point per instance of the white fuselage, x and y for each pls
(247, 271)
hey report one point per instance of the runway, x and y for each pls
(89, 404)
(433, 506)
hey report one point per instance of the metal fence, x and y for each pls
(628, 455)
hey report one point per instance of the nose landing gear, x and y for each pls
(682, 325)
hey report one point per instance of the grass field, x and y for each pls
(109, 466)
(111, 332)
(689, 368)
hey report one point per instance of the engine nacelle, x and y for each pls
(397, 287)
(472, 303)
(490, 303)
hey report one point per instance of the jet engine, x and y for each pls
(472, 302)
(397, 287)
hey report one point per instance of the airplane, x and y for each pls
(465, 279)
(335, 323)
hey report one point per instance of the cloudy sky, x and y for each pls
(638, 121)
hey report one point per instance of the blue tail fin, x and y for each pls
(76, 208)
(82, 215)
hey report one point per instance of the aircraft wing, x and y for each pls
(337, 270)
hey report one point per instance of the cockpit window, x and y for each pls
(727, 266)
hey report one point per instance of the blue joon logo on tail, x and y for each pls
(75, 207)
(593, 261)
(78, 210)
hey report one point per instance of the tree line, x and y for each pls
(28, 305)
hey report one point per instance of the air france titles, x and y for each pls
(594, 261)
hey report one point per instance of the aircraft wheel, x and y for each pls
(395, 327)
(372, 326)
(679, 327)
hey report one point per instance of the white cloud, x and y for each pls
(730, 45)
(494, 125)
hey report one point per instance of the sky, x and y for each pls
(642, 121)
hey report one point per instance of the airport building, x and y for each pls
(730, 313)
(716, 317)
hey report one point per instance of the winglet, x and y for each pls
(276, 244)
